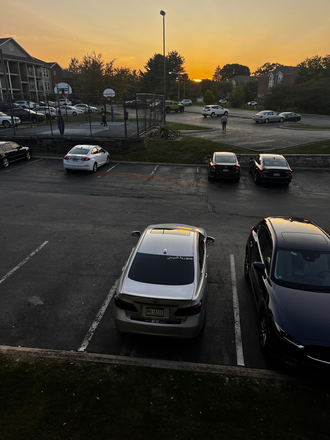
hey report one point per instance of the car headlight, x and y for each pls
(286, 336)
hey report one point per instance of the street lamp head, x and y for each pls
(162, 13)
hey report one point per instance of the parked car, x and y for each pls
(26, 115)
(70, 110)
(25, 104)
(252, 103)
(173, 106)
(163, 288)
(287, 262)
(214, 110)
(186, 102)
(86, 157)
(10, 152)
(6, 121)
(49, 112)
(271, 168)
(86, 108)
(223, 101)
(223, 165)
(6, 107)
(266, 116)
(290, 116)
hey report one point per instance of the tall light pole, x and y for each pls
(163, 14)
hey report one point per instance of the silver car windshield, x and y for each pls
(168, 270)
(303, 269)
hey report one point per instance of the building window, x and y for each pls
(54, 71)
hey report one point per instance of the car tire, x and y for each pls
(226, 113)
(34, 120)
(5, 162)
(28, 155)
(264, 333)
(181, 109)
(108, 160)
(74, 113)
(282, 120)
(167, 109)
(204, 116)
(212, 115)
(256, 178)
(6, 124)
(94, 167)
(266, 121)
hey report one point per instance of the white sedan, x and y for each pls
(214, 110)
(86, 108)
(86, 157)
(6, 122)
(70, 110)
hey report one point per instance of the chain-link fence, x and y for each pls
(85, 114)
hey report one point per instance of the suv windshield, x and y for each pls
(162, 269)
(303, 269)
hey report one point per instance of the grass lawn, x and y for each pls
(55, 400)
(309, 127)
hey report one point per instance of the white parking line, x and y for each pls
(25, 165)
(101, 312)
(238, 335)
(98, 318)
(154, 170)
(23, 262)
(112, 167)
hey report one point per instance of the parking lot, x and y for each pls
(66, 236)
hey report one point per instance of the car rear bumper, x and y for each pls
(78, 166)
(188, 329)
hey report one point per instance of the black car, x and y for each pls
(290, 116)
(10, 152)
(223, 165)
(272, 168)
(27, 115)
(287, 261)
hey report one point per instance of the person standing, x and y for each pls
(104, 117)
(224, 120)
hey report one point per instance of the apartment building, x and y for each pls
(24, 77)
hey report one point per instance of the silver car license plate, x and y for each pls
(154, 312)
(277, 174)
(225, 170)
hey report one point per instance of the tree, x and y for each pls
(237, 97)
(313, 68)
(266, 68)
(208, 97)
(280, 98)
(217, 74)
(230, 70)
(250, 90)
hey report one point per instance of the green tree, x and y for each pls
(208, 97)
(237, 97)
(280, 98)
(250, 91)
(313, 68)
(230, 70)
(266, 68)
(217, 74)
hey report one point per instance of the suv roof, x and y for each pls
(295, 232)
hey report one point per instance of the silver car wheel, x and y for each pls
(95, 167)
(5, 162)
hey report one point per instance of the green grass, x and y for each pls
(55, 400)
(320, 147)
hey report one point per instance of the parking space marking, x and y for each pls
(112, 167)
(23, 262)
(25, 165)
(101, 312)
(154, 170)
(98, 318)
(238, 334)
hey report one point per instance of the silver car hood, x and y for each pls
(160, 291)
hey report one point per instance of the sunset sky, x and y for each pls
(206, 33)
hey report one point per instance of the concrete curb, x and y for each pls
(223, 370)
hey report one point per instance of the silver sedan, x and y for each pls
(163, 288)
(266, 116)
(86, 157)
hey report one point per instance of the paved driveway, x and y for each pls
(243, 132)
